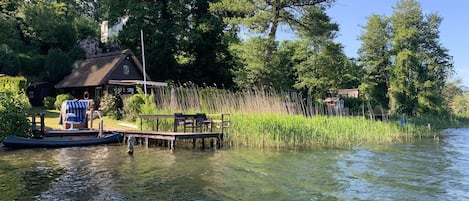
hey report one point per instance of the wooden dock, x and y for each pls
(172, 137)
(193, 129)
(195, 126)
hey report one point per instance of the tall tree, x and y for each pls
(186, 42)
(375, 57)
(435, 69)
(9, 63)
(280, 74)
(402, 54)
(57, 65)
(325, 71)
(205, 47)
(452, 89)
(9, 32)
(9, 8)
(264, 17)
(407, 20)
(320, 65)
(422, 65)
(49, 24)
(251, 70)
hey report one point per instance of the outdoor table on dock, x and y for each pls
(194, 120)
(179, 119)
(172, 137)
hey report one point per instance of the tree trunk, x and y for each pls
(272, 34)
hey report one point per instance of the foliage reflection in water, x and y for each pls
(423, 170)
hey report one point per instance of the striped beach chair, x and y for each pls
(73, 112)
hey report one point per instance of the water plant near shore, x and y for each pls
(293, 131)
(264, 120)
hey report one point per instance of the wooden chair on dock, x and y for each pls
(181, 119)
(198, 122)
(202, 122)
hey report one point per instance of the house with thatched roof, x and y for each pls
(117, 72)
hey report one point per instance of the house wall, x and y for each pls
(121, 73)
(351, 93)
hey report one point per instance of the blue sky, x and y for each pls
(454, 30)
(351, 15)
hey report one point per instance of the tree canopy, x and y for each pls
(405, 61)
(401, 64)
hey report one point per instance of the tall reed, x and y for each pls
(270, 130)
(262, 118)
(212, 100)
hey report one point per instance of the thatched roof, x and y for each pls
(97, 70)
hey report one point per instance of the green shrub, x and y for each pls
(49, 103)
(13, 114)
(149, 107)
(57, 65)
(13, 84)
(60, 99)
(354, 104)
(9, 62)
(111, 105)
(32, 65)
(132, 106)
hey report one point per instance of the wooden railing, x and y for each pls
(203, 122)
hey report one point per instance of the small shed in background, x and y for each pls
(37, 91)
(348, 93)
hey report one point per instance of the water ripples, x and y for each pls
(426, 169)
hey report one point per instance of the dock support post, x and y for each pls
(43, 125)
(146, 142)
(172, 145)
(91, 117)
(33, 124)
(131, 143)
(219, 141)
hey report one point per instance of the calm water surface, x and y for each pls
(423, 170)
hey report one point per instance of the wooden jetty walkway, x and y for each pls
(195, 126)
(172, 137)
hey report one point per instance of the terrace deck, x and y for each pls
(172, 137)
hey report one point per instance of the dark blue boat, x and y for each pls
(67, 141)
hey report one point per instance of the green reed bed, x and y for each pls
(288, 131)
(280, 120)
(440, 122)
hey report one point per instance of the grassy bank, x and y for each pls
(279, 120)
(269, 130)
(263, 120)
(51, 119)
(297, 131)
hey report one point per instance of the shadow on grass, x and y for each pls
(51, 120)
(51, 117)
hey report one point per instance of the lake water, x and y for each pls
(425, 169)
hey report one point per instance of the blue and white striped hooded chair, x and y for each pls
(73, 114)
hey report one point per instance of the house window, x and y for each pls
(31, 94)
(98, 91)
(126, 70)
(119, 90)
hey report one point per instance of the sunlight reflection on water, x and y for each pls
(426, 169)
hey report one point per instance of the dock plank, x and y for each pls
(173, 136)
